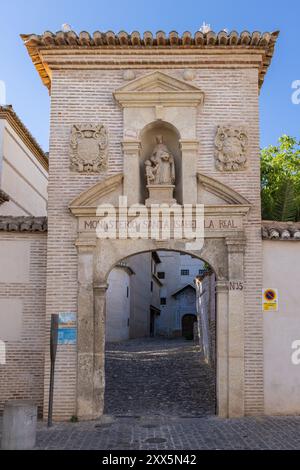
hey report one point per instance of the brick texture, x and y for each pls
(79, 96)
(22, 376)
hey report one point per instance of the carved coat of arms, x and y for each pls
(231, 148)
(88, 148)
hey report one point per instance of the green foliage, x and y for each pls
(280, 180)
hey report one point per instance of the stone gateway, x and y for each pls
(155, 119)
(179, 127)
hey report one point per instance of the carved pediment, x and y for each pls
(158, 88)
(106, 191)
(213, 192)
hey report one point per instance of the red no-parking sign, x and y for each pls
(270, 299)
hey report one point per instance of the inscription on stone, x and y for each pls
(236, 285)
(210, 224)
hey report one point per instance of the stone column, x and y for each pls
(222, 347)
(131, 149)
(235, 247)
(85, 325)
(99, 347)
(189, 149)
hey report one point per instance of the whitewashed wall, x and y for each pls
(281, 270)
(172, 263)
(22, 177)
(140, 295)
(118, 305)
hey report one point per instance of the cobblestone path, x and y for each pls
(158, 377)
(165, 433)
(159, 397)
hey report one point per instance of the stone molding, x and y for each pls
(158, 87)
(221, 190)
(100, 288)
(235, 245)
(98, 190)
(131, 147)
(189, 145)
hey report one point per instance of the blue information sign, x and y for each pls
(67, 331)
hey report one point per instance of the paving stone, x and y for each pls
(172, 408)
(155, 376)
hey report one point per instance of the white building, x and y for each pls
(178, 297)
(152, 294)
(23, 169)
(133, 298)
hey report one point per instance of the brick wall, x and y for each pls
(22, 375)
(231, 96)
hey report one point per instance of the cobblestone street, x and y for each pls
(168, 433)
(158, 377)
(160, 397)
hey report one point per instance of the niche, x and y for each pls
(171, 138)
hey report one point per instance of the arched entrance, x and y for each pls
(98, 257)
(141, 371)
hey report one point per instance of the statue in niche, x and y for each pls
(160, 168)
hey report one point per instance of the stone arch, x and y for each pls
(138, 252)
(223, 250)
(108, 253)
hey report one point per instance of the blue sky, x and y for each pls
(30, 99)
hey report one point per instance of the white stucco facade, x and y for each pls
(23, 169)
(281, 270)
(179, 271)
(118, 305)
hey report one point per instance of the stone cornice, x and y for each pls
(7, 113)
(225, 210)
(235, 244)
(108, 44)
(131, 147)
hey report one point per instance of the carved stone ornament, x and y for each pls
(88, 148)
(231, 148)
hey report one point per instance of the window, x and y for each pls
(163, 301)
(127, 292)
(161, 275)
(185, 272)
(151, 286)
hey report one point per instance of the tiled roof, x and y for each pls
(7, 112)
(211, 40)
(272, 230)
(181, 289)
(23, 224)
